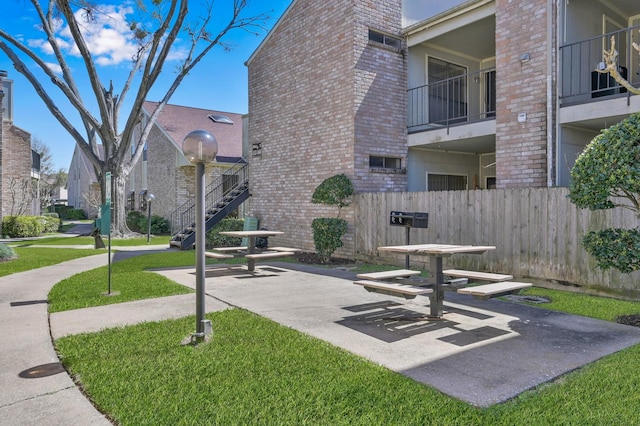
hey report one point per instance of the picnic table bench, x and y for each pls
(393, 289)
(488, 291)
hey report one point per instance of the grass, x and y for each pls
(36, 257)
(255, 371)
(129, 278)
(83, 241)
(603, 308)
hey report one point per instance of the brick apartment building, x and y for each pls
(163, 169)
(417, 96)
(16, 160)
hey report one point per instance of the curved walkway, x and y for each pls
(35, 389)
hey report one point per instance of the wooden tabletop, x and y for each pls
(243, 234)
(436, 249)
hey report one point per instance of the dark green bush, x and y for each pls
(6, 253)
(333, 191)
(133, 220)
(70, 213)
(327, 235)
(607, 175)
(614, 248)
(28, 226)
(214, 239)
(159, 225)
(328, 232)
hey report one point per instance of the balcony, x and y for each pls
(580, 82)
(462, 99)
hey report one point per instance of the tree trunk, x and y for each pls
(118, 206)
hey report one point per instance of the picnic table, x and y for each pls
(251, 246)
(436, 253)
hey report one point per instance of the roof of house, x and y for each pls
(178, 121)
(85, 163)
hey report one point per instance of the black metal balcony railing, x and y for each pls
(462, 99)
(579, 80)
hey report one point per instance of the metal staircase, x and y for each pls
(222, 196)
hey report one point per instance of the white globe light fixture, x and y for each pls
(200, 148)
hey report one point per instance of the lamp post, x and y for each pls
(150, 197)
(200, 148)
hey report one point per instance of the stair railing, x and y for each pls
(234, 179)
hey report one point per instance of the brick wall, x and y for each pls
(15, 165)
(321, 100)
(521, 147)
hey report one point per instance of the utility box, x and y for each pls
(104, 222)
(409, 219)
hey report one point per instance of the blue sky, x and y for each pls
(219, 82)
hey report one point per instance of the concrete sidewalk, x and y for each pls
(482, 352)
(35, 389)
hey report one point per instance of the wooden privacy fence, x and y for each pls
(537, 231)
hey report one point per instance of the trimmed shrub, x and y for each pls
(607, 175)
(133, 220)
(70, 213)
(159, 225)
(56, 216)
(614, 248)
(327, 235)
(28, 226)
(214, 239)
(7, 253)
(328, 232)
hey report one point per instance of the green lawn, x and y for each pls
(35, 257)
(255, 371)
(129, 278)
(83, 241)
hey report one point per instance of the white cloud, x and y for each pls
(54, 67)
(106, 33)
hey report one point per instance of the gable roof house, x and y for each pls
(420, 96)
(163, 169)
(19, 164)
(83, 186)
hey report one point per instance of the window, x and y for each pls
(131, 199)
(7, 101)
(385, 163)
(385, 39)
(436, 182)
(218, 118)
(143, 199)
(447, 91)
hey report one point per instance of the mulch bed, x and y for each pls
(633, 320)
(314, 259)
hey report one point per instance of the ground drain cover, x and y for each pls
(528, 299)
(43, 370)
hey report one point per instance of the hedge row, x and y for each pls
(29, 226)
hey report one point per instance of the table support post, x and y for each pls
(406, 258)
(436, 298)
(251, 248)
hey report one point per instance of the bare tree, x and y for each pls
(21, 196)
(610, 58)
(155, 36)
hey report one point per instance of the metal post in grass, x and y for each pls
(150, 197)
(200, 148)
